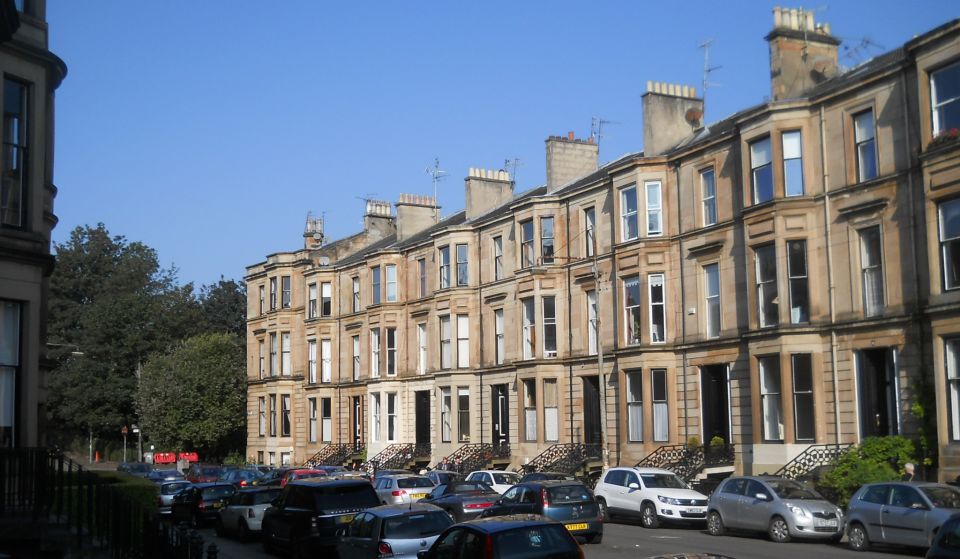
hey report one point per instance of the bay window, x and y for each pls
(463, 413)
(772, 420)
(463, 341)
(326, 361)
(761, 171)
(546, 240)
(634, 406)
(551, 411)
(526, 244)
(445, 349)
(945, 98)
(530, 410)
(803, 409)
(444, 267)
(549, 326)
(529, 328)
(792, 163)
(871, 264)
(767, 301)
(654, 209)
(948, 214)
(797, 272)
(658, 316)
(631, 305)
(629, 227)
(661, 409)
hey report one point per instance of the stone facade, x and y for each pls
(782, 278)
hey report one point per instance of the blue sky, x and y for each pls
(208, 129)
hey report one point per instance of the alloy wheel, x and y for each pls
(715, 524)
(779, 530)
(857, 538)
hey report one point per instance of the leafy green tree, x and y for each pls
(193, 397)
(224, 307)
(875, 459)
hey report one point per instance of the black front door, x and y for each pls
(500, 401)
(357, 423)
(591, 411)
(423, 416)
(877, 393)
(715, 404)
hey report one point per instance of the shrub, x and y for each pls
(876, 459)
(717, 441)
(693, 441)
(235, 459)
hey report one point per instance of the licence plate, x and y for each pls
(573, 527)
(416, 496)
(832, 523)
(218, 505)
(345, 519)
(696, 510)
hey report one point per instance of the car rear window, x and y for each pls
(569, 494)
(173, 488)
(415, 526)
(264, 497)
(535, 542)
(407, 482)
(469, 487)
(346, 497)
(506, 479)
(218, 491)
(211, 471)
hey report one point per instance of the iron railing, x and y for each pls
(328, 454)
(688, 461)
(813, 457)
(566, 458)
(475, 456)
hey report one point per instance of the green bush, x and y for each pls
(693, 441)
(235, 459)
(876, 459)
(717, 441)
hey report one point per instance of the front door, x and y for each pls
(423, 416)
(714, 403)
(591, 411)
(500, 400)
(357, 423)
(877, 386)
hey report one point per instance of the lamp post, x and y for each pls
(139, 434)
(123, 431)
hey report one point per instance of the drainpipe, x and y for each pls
(569, 324)
(480, 312)
(831, 286)
(683, 321)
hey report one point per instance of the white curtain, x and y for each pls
(530, 424)
(635, 419)
(661, 431)
(552, 428)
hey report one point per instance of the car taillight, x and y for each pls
(202, 505)
(477, 505)
(545, 497)
(384, 550)
(398, 493)
(488, 548)
(243, 483)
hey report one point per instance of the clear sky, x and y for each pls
(207, 129)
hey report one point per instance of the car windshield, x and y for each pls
(663, 481)
(408, 482)
(506, 479)
(790, 489)
(535, 542)
(415, 526)
(264, 497)
(469, 487)
(568, 494)
(345, 497)
(218, 491)
(173, 488)
(213, 472)
(942, 497)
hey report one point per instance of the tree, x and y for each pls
(224, 306)
(875, 459)
(193, 397)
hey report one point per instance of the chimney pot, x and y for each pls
(777, 17)
(570, 135)
(649, 86)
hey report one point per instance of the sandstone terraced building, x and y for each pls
(781, 283)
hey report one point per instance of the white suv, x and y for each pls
(650, 493)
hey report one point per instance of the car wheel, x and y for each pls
(218, 528)
(779, 530)
(243, 531)
(648, 516)
(595, 539)
(602, 508)
(715, 524)
(857, 537)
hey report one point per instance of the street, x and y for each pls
(622, 540)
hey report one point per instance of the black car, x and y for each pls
(946, 544)
(136, 469)
(242, 478)
(200, 503)
(309, 513)
(543, 476)
(505, 537)
(463, 500)
(569, 502)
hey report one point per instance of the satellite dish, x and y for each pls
(318, 236)
(324, 260)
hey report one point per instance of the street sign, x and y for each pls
(123, 431)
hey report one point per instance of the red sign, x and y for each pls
(123, 431)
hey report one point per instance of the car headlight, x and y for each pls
(798, 511)
(668, 500)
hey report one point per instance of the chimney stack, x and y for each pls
(414, 214)
(313, 236)
(378, 221)
(671, 113)
(803, 53)
(569, 158)
(485, 190)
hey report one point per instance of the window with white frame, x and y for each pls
(945, 98)
(445, 412)
(391, 273)
(952, 368)
(446, 357)
(770, 397)
(284, 415)
(529, 328)
(871, 262)
(635, 406)
(546, 240)
(551, 410)
(629, 226)
(273, 294)
(589, 231)
(658, 314)
(631, 307)
(312, 420)
(285, 284)
(274, 356)
(375, 417)
(422, 276)
(654, 208)
(273, 415)
(356, 294)
(391, 416)
(549, 326)
(421, 348)
(263, 298)
(500, 335)
(312, 300)
(708, 191)
(326, 419)
(761, 171)
(768, 309)
(592, 322)
(792, 163)
(444, 267)
(391, 351)
(463, 341)
(262, 415)
(356, 358)
(804, 418)
(661, 407)
(949, 221)
(375, 285)
(497, 258)
(711, 285)
(286, 367)
(526, 244)
(797, 273)
(530, 410)
(463, 413)
(375, 353)
(326, 361)
(312, 361)
(865, 140)
(261, 358)
(463, 265)
(326, 299)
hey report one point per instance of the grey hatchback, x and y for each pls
(903, 513)
(397, 531)
(782, 507)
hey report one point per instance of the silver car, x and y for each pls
(404, 488)
(781, 507)
(397, 531)
(904, 513)
(167, 490)
(243, 515)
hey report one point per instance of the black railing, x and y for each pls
(568, 458)
(813, 457)
(329, 455)
(688, 461)
(475, 456)
(392, 456)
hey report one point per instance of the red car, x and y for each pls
(301, 473)
(202, 473)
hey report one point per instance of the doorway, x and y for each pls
(591, 411)
(714, 403)
(422, 410)
(877, 392)
(357, 423)
(500, 401)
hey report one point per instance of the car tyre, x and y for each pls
(648, 516)
(715, 524)
(779, 530)
(595, 538)
(602, 509)
(857, 537)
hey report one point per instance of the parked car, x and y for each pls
(541, 476)
(651, 494)
(331, 470)
(946, 544)
(381, 473)
(204, 473)
(506, 537)
(165, 475)
(783, 508)
(399, 489)
(499, 480)
(569, 502)
(136, 469)
(300, 473)
(200, 503)
(397, 531)
(903, 513)
(439, 477)
(308, 514)
(167, 490)
(463, 500)
(242, 478)
(243, 515)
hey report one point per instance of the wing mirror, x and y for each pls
(634, 485)
(918, 506)
(762, 497)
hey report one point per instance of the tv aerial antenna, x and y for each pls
(596, 128)
(707, 70)
(436, 175)
(862, 46)
(511, 166)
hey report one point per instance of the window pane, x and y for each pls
(793, 176)
(760, 154)
(952, 348)
(770, 394)
(863, 127)
(945, 88)
(791, 145)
